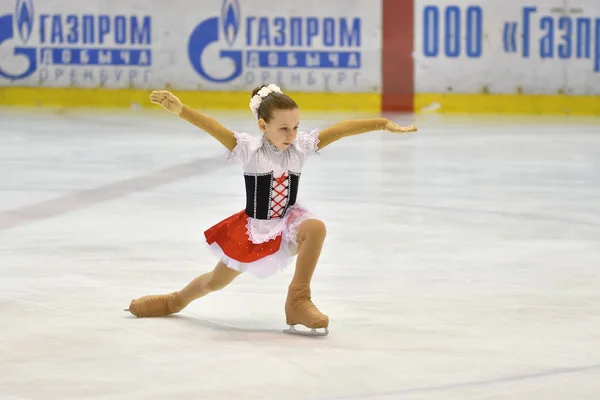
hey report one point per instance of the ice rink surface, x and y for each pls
(462, 262)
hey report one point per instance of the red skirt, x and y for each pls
(260, 247)
(231, 235)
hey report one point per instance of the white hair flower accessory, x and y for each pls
(262, 93)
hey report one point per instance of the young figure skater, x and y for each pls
(273, 228)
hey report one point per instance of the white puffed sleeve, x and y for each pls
(308, 143)
(244, 148)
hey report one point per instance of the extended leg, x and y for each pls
(299, 308)
(166, 304)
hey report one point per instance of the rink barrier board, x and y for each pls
(440, 103)
(467, 103)
(119, 98)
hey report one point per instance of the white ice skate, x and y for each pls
(312, 333)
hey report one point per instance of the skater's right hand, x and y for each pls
(395, 128)
(167, 100)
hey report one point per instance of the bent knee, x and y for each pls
(318, 227)
(313, 228)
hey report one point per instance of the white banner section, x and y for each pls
(500, 46)
(303, 45)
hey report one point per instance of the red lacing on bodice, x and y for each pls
(278, 203)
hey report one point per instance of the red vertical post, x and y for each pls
(397, 59)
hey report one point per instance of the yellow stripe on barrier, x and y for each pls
(446, 103)
(118, 98)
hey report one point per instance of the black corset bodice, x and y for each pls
(269, 196)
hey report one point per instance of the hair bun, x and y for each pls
(268, 98)
(257, 89)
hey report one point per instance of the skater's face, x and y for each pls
(282, 127)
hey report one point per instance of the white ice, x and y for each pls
(462, 262)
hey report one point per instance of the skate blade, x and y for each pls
(312, 333)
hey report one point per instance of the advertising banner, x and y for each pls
(230, 45)
(510, 47)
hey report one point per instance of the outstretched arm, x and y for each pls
(172, 104)
(358, 126)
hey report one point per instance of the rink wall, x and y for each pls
(444, 56)
(211, 53)
(517, 56)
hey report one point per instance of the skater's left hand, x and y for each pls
(395, 128)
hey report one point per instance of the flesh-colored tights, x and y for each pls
(299, 308)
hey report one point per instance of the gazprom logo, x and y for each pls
(230, 20)
(20, 23)
(209, 32)
(272, 43)
(24, 15)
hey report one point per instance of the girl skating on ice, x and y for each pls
(273, 228)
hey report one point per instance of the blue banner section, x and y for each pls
(95, 57)
(303, 59)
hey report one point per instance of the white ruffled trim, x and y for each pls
(262, 268)
(263, 230)
(255, 237)
(290, 235)
(309, 142)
